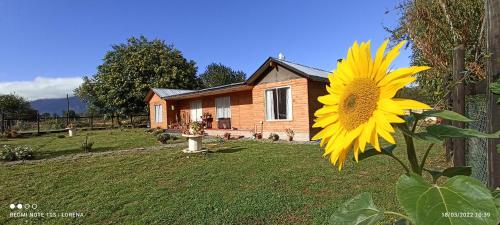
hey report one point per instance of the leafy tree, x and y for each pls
(70, 114)
(218, 74)
(129, 71)
(13, 105)
(434, 28)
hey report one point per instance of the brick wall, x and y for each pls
(156, 100)
(241, 108)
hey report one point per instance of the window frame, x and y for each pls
(291, 104)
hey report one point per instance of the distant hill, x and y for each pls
(58, 105)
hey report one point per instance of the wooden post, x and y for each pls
(92, 121)
(38, 122)
(67, 110)
(459, 102)
(493, 74)
(132, 120)
(112, 120)
(2, 126)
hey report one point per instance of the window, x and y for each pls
(223, 107)
(279, 104)
(158, 114)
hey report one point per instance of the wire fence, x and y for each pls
(476, 154)
(40, 124)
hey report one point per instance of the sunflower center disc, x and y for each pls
(358, 102)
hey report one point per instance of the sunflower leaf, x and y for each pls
(372, 152)
(358, 210)
(444, 114)
(495, 88)
(424, 136)
(457, 170)
(447, 131)
(460, 200)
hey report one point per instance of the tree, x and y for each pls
(13, 105)
(129, 71)
(434, 28)
(218, 74)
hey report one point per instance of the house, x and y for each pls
(279, 95)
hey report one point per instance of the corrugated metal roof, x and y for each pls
(306, 69)
(165, 92)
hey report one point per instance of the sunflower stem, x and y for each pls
(401, 162)
(422, 164)
(410, 152)
(399, 215)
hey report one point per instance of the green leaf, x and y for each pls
(372, 152)
(444, 114)
(408, 190)
(457, 170)
(460, 200)
(424, 136)
(359, 210)
(450, 172)
(498, 148)
(495, 88)
(402, 222)
(444, 131)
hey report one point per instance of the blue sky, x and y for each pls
(43, 40)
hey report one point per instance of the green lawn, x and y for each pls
(241, 182)
(50, 145)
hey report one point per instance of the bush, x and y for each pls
(61, 136)
(273, 136)
(158, 131)
(164, 137)
(11, 134)
(13, 153)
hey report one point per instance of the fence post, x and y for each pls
(459, 102)
(493, 74)
(91, 121)
(112, 120)
(2, 126)
(37, 122)
(132, 120)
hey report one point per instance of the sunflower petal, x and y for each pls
(410, 104)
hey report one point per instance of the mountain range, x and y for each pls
(59, 105)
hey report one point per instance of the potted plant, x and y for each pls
(289, 133)
(71, 129)
(273, 137)
(196, 128)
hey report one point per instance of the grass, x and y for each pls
(50, 145)
(241, 182)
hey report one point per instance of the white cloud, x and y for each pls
(42, 87)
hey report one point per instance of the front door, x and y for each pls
(196, 111)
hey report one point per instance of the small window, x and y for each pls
(223, 107)
(279, 104)
(158, 113)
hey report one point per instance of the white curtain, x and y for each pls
(270, 105)
(288, 103)
(158, 114)
(223, 107)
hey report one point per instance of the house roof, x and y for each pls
(166, 92)
(302, 70)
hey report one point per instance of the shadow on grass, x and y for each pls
(229, 150)
(66, 152)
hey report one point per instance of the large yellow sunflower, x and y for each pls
(360, 104)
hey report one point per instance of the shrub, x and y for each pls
(158, 131)
(273, 136)
(164, 137)
(87, 146)
(196, 128)
(11, 134)
(13, 153)
(61, 136)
